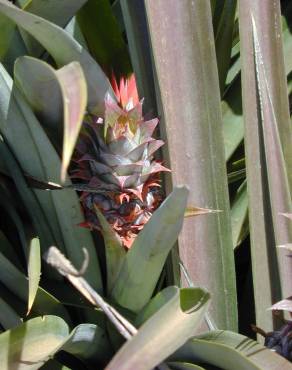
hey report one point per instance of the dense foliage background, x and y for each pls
(218, 76)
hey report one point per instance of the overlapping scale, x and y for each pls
(117, 150)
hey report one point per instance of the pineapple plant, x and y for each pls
(114, 160)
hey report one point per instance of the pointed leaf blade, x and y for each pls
(144, 262)
(34, 271)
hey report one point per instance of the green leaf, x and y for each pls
(58, 96)
(34, 271)
(55, 11)
(104, 38)
(11, 43)
(38, 81)
(64, 49)
(233, 128)
(7, 204)
(30, 345)
(195, 149)
(154, 305)
(144, 261)
(239, 214)
(164, 332)
(8, 317)
(74, 30)
(135, 21)
(88, 342)
(17, 283)
(114, 251)
(8, 251)
(223, 32)
(21, 130)
(229, 351)
(232, 105)
(74, 92)
(268, 137)
(40, 222)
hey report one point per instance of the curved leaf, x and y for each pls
(11, 43)
(55, 11)
(144, 262)
(230, 351)
(58, 96)
(164, 332)
(21, 130)
(74, 92)
(64, 49)
(28, 346)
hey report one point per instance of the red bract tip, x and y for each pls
(126, 91)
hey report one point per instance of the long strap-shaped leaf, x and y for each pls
(64, 49)
(232, 106)
(223, 21)
(278, 158)
(134, 15)
(38, 158)
(104, 37)
(165, 331)
(144, 262)
(268, 141)
(188, 89)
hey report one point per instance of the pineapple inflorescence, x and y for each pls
(114, 162)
